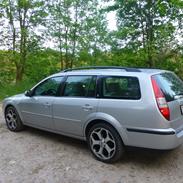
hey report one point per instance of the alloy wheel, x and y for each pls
(102, 143)
(11, 119)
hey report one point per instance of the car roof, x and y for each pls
(110, 71)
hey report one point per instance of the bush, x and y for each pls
(13, 89)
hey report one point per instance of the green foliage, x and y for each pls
(149, 34)
(7, 68)
(148, 25)
(22, 17)
(75, 25)
(8, 90)
(41, 64)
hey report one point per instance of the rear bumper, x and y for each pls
(155, 138)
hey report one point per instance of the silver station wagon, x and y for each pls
(109, 107)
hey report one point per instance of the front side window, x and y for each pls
(80, 86)
(120, 87)
(49, 87)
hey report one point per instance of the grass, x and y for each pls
(8, 90)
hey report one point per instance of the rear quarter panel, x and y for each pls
(142, 113)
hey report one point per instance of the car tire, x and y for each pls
(13, 120)
(105, 143)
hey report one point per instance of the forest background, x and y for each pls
(41, 37)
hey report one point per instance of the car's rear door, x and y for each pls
(76, 105)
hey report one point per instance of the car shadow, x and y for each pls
(146, 156)
(139, 156)
(57, 138)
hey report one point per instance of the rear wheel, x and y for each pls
(105, 143)
(13, 120)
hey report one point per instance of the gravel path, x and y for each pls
(35, 156)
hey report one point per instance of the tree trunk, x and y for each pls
(74, 35)
(66, 48)
(60, 50)
(150, 33)
(23, 49)
(19, 74)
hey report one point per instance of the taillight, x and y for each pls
(160, 99)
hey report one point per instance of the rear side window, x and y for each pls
(170, 85)
(120, 87)
(80, 86)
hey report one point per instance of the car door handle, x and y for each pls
(87, 107)
(47, 104)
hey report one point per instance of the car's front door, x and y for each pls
(76, 106)
(37, 109)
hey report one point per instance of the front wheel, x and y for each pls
(13, 120)
(105, 143)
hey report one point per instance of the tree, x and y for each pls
(75, 26)
(94, 35)
(23, 16)
(149, 25)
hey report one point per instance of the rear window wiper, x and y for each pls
(179, 95)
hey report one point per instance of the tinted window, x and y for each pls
(170, 85)
(80, 86)
(49, 87)
(121, 87)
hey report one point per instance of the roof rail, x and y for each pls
(127, 69)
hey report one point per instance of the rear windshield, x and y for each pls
(170, 85)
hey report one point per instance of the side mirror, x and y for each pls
(28, 93)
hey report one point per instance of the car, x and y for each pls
(109, 107)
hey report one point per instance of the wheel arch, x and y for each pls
(11, 105)
(113, 123)
(7, 106)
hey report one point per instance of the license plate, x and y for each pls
(181, 108)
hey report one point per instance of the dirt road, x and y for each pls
(35, 156)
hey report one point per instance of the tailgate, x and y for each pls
(176, 113)
(172, 88)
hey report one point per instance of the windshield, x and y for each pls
(170, 84)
